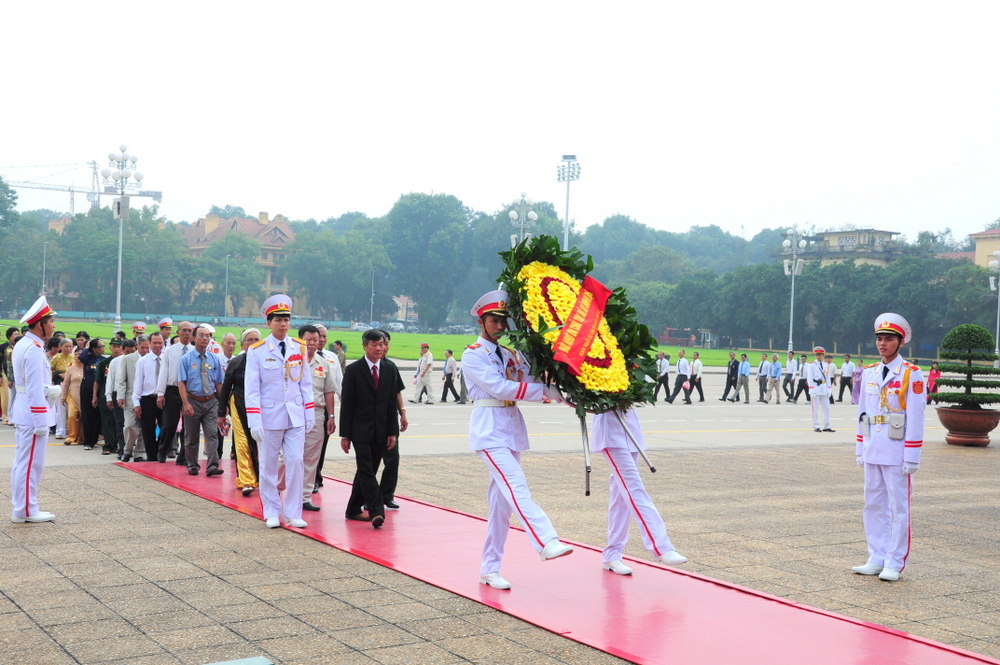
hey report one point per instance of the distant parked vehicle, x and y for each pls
(360, 327)
(395, 327)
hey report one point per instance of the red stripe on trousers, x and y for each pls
(635, 508)
(27, 476)
(909, 518)
(513, 499)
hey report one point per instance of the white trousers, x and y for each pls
(289, 444)
(887, 514)
(628, 499)
(820, 411)
(508, 493)
(424, 382)
(29, 460)
(60, 417)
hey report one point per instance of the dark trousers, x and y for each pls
(788, 385)
(365, 490)
(390, 473)
(679, 386)
(107, 424)
(151, 416)
(696, 385)
(845, 382)
(119, 414)
(762, 386)
(802, 388)
(665, 382)
(449, 384)
(172, 405)
(730, 385)
(90, 416)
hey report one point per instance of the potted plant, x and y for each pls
(967, 422)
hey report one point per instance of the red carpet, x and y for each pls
(657, 615)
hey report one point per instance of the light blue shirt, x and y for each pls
(189, 371)
(775, 372)
(745, 368)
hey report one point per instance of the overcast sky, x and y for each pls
(745, 115)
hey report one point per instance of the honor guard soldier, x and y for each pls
(817, 379)
(279, 404)
(890, 438)
(166, 326)
(138, 328)
(30, 412)
(496, 378)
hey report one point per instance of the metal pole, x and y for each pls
(791, 308)
(996, 338)
(45, 246)
(371, 310)
(635, 443)
(566, 221)
(586, 454)
(118, 299)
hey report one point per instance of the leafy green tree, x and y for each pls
(657, 263)
(227, 211)
(651, 301)
(245, 275)
(427, 234)
(693, 302)
(335, 273)
(8, 205)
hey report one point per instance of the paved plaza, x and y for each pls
(136, 572)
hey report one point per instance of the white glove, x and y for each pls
(909, 468)
(52, 393)
(42, 431)
(860, 460)
(309, 425)
(551, 392)
(257, 433)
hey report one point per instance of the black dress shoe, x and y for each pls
(126, 458)
(171, 455)
(180, 461)
(215, 471)
(391, 505)
(161, 460)
(140, 459)
(315, 488)
(247, 491)
(817, 430)
(309, 505)
(829, 430)
(193, 471)
(319, 481)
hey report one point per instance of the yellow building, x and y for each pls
(987, 242)
(865, 246)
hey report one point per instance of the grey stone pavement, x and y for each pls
(136, 572)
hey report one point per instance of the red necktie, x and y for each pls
(375, 375)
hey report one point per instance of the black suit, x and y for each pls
(732, 377)
(368, 417)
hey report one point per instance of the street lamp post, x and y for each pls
(794, 243)
(45, 246)
(371, 309)
(568, 171)
(522, 216)
(225, 308)
(122, 167)
(995, 286)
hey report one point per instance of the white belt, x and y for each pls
(494, 402)
(21, 389)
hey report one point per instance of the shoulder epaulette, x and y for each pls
(911, 365)
(873, 364)
(296, 339)
(474, 346)
(254, 346)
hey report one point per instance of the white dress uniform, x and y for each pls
(425, 368)
(278, 395)
(900, 394)
(819, 387)
(32, 417)
(627, 497)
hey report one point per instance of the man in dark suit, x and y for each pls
(369, 420)
(732, 376)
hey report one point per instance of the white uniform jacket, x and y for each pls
(816, 379)
(607, 432)
(32, 377)
(278, 390)
(877, 447)
(486, 378)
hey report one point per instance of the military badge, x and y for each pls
(918, 387)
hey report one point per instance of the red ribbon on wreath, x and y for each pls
(580, 329)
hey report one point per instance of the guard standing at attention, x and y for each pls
(817, 378)
(30, 413)
(890, 438)
(496, 377)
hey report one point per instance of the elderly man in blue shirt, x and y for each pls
(743, 381)
(199, 379)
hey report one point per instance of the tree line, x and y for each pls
(444, 255)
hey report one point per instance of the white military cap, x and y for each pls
(494, 302)
(209, 327)
(279, 303)
(819, 349)
(165, 321)
(893, 323)
(37, 312)
(139, 326)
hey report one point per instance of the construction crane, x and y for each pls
(93, 193)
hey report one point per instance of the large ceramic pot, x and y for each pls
(968, 427)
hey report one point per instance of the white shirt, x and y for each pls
(792, 368)
(683, 367)
(172, 360)
(663, 366)
(450, 365)
(763, 369)
(696, 367)
(145, 376)
(847, 369)
(109, 385)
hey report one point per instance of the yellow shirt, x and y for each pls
(61, 362)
